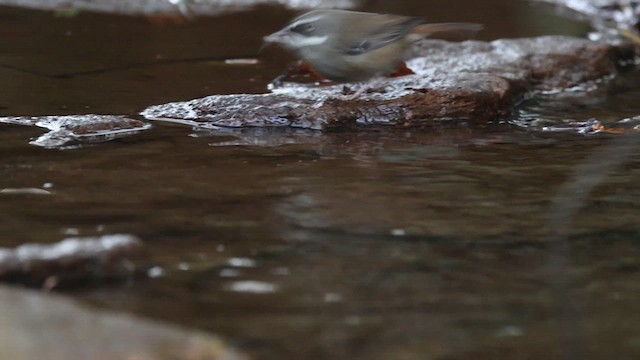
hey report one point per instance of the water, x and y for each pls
(376, 244)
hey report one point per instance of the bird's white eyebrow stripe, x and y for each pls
(304, 21)
(309, 41)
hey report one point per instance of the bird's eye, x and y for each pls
(303, 29)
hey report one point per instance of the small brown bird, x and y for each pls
(350, 46)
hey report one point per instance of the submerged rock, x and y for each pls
(471, 81)
(71, 130)
(72, 261)
(593, 126)
(36, 326)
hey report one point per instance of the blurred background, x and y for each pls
(442, 243)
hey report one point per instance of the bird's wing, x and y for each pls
(391, 30)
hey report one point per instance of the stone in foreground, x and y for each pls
(473, 82)
(35, 326)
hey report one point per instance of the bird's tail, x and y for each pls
(428, 29)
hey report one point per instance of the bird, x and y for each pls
(351, 46)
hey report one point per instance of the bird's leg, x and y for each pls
(306, 69)
(301, 72)
(402, 70)
(369, 85)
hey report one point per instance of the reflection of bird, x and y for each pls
(346, 46)
(183, 7)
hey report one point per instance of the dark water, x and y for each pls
(385, 244)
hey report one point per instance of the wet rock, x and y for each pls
(150, 7)
(594, 126)
(471, 81)
(623, 12)
(36, 326)
(72, 130)
(71, 262)
(615, 21)
(25, 191)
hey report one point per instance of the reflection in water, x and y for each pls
(376, 243)
(612, 103)
(354, 245)
(570, 198)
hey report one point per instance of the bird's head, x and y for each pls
(310, 29)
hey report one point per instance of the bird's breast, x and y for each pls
(339, 66)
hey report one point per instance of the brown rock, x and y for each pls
(473, 82)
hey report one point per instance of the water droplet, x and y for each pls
(155, 272)
(241, 262)
(250, 286)
(332, 298)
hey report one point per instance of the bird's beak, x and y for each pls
(277, 37)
